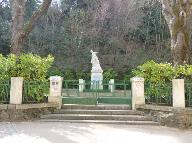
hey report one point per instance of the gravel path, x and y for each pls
(42, 132)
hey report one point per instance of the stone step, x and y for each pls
(96, 117)
(98, 112)
(96, 107)
(150, 123)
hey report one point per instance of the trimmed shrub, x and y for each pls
(33, 69)
(162, 72)
(158, 76)
(155, 73)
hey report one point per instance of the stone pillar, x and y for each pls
(137, 88)
(81, 85)
(178, 93)
(112, 85)
(56, 90)
(16, 90)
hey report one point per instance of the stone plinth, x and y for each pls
(137, 88)
(97, 80)
(16, 90)
(56, 90)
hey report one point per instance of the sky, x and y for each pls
(52, 0)
(58, 1)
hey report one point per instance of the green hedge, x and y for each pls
(162, 72)
(33, 69)
(155, 72)
(160, 75)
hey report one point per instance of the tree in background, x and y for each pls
(126, 33)
(118, 30)
(177, 14)
(5, 19)
(20, 30)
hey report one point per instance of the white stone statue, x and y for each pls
(96, 72)
(96, 67)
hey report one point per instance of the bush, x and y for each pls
(128, 75)
(155, 73)
(109, 74)
(159, 75)
(54, 72)
(32, 68)
(69, 75)
(83, 75)
(7, 67)
(127, 78)
(163, 72)
(184, 71)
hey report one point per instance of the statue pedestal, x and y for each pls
(96, 73)
(96, 80)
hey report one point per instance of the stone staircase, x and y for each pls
(105, 114)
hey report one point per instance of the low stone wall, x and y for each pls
(25, 112)
(168, 116)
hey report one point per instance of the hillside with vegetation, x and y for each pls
(126, 33)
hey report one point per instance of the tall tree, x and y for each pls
(21, 30)
(177, 14)
(5, 19)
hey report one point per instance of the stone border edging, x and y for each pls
(169, 116)
(28, 106)
(163, 108)
(155, 108)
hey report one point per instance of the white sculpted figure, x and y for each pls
(96, 67)
(96, 72)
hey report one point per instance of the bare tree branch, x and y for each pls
(167, 9)
(34, 18)
(2, 1)
(20, 31)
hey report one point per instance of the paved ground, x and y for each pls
(36, 132)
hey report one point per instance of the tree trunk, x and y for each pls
(179, 40)
(176, 13)
(20, 31)
(17, 11)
